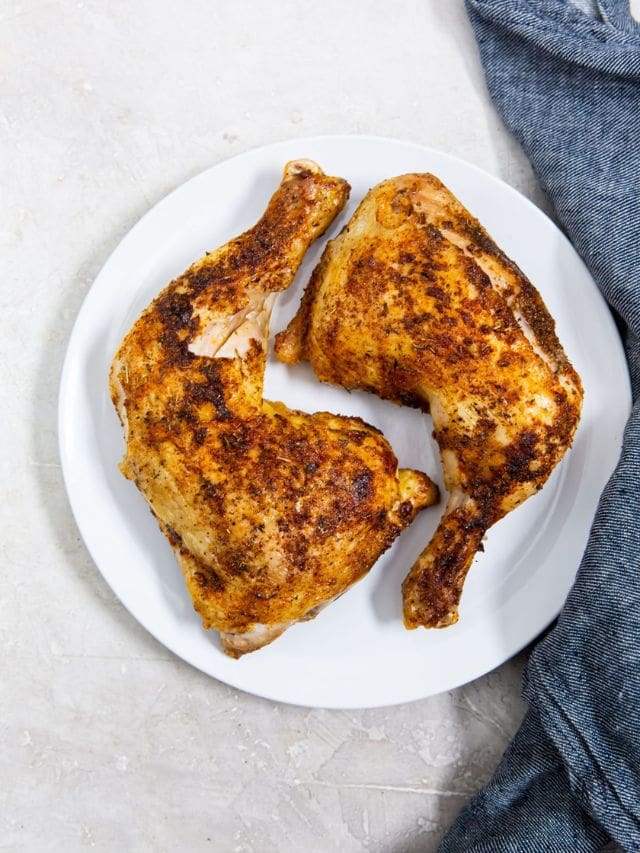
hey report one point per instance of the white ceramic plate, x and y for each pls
(357, 652)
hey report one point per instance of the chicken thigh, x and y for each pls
(413, 301)
(271, 513)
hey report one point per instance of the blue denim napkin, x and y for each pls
(565, 77)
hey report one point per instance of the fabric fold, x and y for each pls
(608, 44)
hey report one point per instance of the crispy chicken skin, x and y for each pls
(413, 301)
(272, 513)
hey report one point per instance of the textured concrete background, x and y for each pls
(107, 741)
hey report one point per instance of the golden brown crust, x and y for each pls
(457, 224)
(271, 512)
(432, 592)
(416, 303)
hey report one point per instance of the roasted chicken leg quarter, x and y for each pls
(413, 301)
(272, 513)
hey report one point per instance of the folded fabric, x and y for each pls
(565, 77)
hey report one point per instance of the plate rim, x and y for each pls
(74, 341)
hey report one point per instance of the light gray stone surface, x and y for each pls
(108, 741)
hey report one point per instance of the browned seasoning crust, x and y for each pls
(416, 303)
(272, 513)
